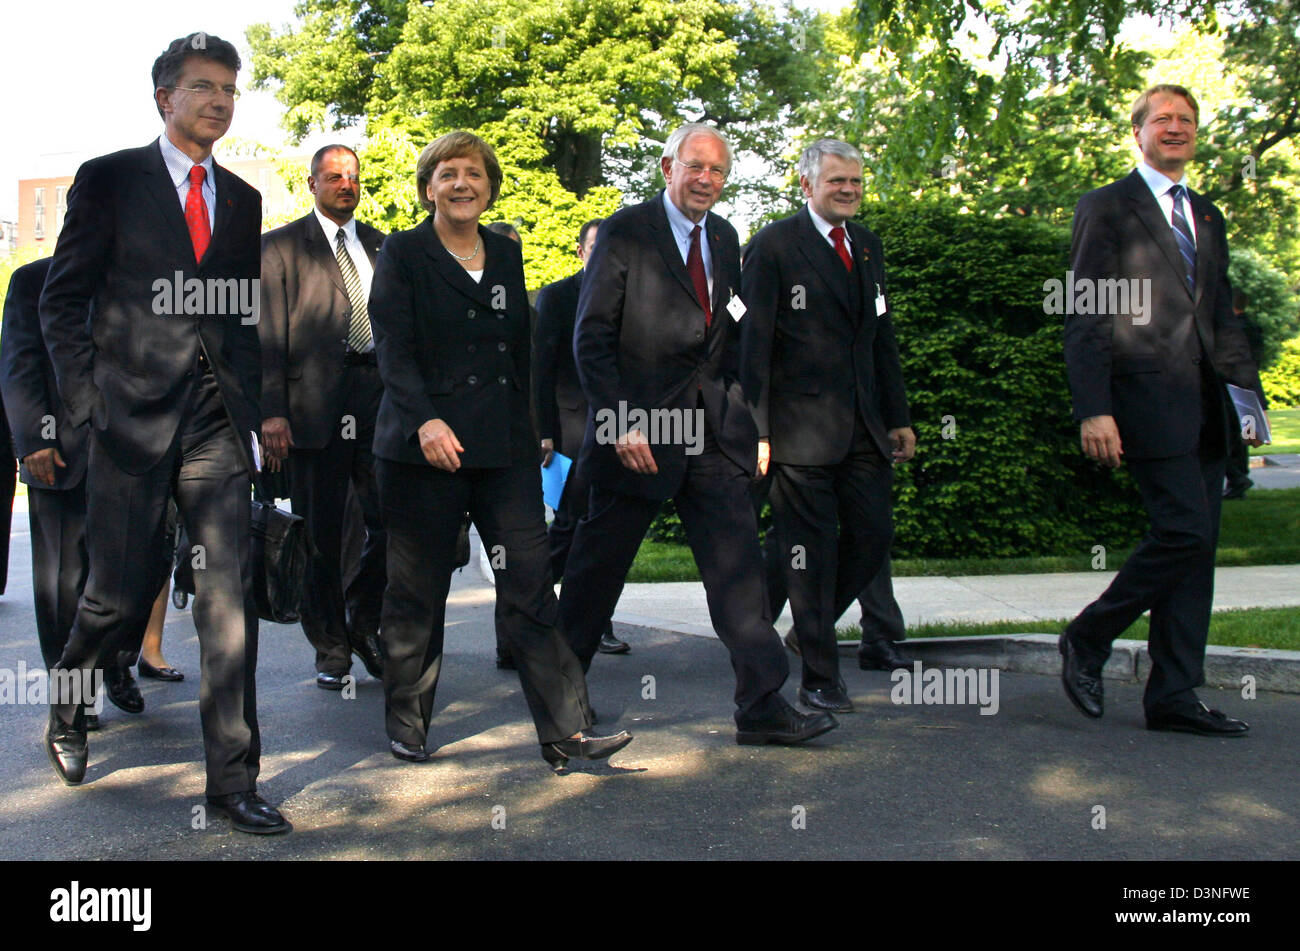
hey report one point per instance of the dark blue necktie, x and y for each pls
(1183, 234)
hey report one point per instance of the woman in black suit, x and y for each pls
(449, 316)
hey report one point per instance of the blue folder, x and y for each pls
(553, 478)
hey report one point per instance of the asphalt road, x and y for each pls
(893, 782)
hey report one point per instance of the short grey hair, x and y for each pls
(675, 141)
(810, 162)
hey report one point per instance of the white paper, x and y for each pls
(1250, 413)
(736, 307)
(257, 452)
(881, 306)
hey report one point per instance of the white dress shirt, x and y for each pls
(360, 260)
(1160, 184)
(682, 227)
(178, 167)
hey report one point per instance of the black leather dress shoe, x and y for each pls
(505, 661)
(330, 681)
(122, 690)
(792, 644)
(158, 673)
(609, 644)
(371, 653)
(586, 747)
(412, 753)
(249, 812)
(1083, 689)
(1200, 720)
(66, 747)
(833, 699)
(785, 726)
(881, 654)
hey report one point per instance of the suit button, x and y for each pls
(699, 335)
(472, 348)
(472, 381)
(502, 380)
(470, 315)
(501, 316)
(1196, 360)
(502, 346)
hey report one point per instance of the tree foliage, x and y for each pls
(576, 96)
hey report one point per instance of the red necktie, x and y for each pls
(196, 213)
(695, 268)
(837, 235)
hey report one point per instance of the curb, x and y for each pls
(1225, 667)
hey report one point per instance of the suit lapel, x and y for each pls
(823, 259)
(723, 282)
(667, 245)
(158, 183)
(450, 268)
(864, 269)
(225, 204)
(319, 250)
(1204, 242)
(1153, 218)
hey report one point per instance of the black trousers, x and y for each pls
(423, 508)
(319, 482)
(1170, 573)
(125, 538)
(60, 563)
(834, 525)
(715, 508)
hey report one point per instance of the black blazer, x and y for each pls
(1147, 373)
(133, 373)
(452, 349)
(814, 347)
(304, 327)
(36, 415)
(640, 341)
(557, 393)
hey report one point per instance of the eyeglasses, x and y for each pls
(716, 175)
(205, 90)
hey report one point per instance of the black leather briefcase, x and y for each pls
(279, 552)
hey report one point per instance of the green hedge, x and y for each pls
(1282, 380)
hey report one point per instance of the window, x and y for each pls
(60, 206)
(40, 214)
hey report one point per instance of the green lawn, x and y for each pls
(1277, 628)
(1261, 529)
(1285, 424)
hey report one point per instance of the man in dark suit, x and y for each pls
(53, 456)
(160, 247)
(823, 377)
(561, 408)
(1152, 339)
(658, 355)
(320, 396)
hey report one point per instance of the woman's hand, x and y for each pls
(440, 446)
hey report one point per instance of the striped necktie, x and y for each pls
(359, 326)
(1183, 235)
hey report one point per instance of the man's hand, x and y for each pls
(41, 464)
(764, 457)
(634, 452)
(440, 445)
(1100, 438)
(548, 447)
(277, 439)
(1254, 441)
(903, 441)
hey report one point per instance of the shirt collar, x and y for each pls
(824, 227)
(332, 229)
(179, 164)
(1157, 181)
(681, 225)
